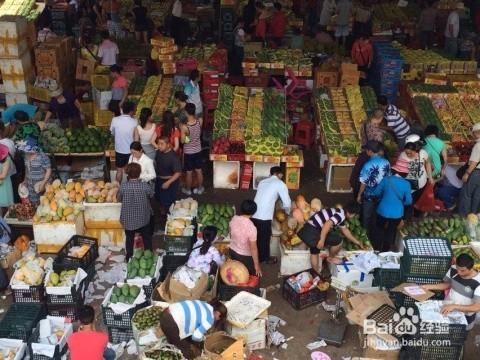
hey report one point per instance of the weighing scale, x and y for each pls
(333, 330)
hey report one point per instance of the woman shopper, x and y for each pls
(192, 148)
(145, 131)
(395, 194)
(190, 320)
(119, 89)
(37, 169)
(139, 157)
(469, 200)
(205, 257)
(65, 107)
(243, 238)
(436, 150)
(179, 112)
(192, 90)
(141, 24)
(416, 163)
(136, 211)
(168, 128)
(372, 130)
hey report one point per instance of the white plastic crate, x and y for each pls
(293, 261)
(261, 170)
(254, 334)
(226, 174)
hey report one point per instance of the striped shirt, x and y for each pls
(396, 122)
(337, 216)
(195, 144)
(193, 318)
(463, 291)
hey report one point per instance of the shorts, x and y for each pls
(342, 30)
(331, 240)
(192, 161)
(121, 160)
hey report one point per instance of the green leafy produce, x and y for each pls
(273, 116)
(223, 111)
(218, 215)
(147, 318)
(453, 229)
(428, 115)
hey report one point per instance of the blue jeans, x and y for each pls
(109, 354)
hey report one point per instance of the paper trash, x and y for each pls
(414, 291)
(430, 311)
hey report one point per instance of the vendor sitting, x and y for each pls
(316, 232)
(463, 283)
(205, 257)
(191, 318)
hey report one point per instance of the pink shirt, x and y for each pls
(87, 345)
(242, 232)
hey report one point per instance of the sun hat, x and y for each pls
(3, 152)
(476, 127)
(401, 166)
(413, 138)
(29, 145)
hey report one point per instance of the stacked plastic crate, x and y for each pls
(386, 70)
(426, 261)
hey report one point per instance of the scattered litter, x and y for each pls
(329, 307)
(4, 297)
(316, 344)
(284, 346)
(273, 287)
(98, 266)
(103, 254)
(118, 258)
(318, 355)
(132, 348)
(276, 338)
(100, 287)
(275, 321)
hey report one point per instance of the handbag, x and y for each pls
(309, 234)
(414, 182)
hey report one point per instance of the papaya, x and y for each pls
(53, 205)
(79, 198)
(60, 212)
(70, 186)
(67, 211)
(125, 290)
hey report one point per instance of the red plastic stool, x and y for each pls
(305, 134)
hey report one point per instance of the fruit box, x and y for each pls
(218, 157)
(66, 294)
(292, 178)
(325, 78)
(39, 349)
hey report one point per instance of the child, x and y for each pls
(136, 210)
(204, 256)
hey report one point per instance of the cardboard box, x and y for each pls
(52, 72)
(85, 69)
(349, 79)
(17, 73)
(292, 178)
(326, 78)
(254, 335)
(414, 291)
(13, 31)
(348, 68)
(172, 290)
(220, 346)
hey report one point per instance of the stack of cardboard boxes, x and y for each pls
(349, 74)
(54, 60)
(15, 58)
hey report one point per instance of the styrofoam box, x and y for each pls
(254, 335)
(223, 173)
(13, 41)
(59, 232)
(16, 73)
(12, 99)
(349, 275)
(102, 98)
(261, 170)
(102, 212)
(293, 261)
(18, 345)
(107, 237)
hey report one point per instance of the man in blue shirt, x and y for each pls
(372, 173)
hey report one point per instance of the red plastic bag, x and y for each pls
(426, 201)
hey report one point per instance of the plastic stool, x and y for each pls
(305, 134)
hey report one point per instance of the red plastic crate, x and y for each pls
(210, 97)
(186, 65)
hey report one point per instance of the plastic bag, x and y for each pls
(426, 201)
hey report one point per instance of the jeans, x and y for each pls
(109, 354)
(451, 46)
(469, 201)
(130, 237)
(386, 230)
(369, 207)
(448, 195)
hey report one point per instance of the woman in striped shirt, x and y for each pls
(192, 149)
(191, 318)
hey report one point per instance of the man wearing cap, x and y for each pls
(469, 200)
(452, 30)
(372, 173)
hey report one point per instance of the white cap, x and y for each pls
(476, 127)
(412, 139)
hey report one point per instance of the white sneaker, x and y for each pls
(195, 191)
(200, 190)
(186, 191)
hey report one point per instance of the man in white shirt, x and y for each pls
(452, 29)
(108, 50)
(122, 128)
(268, 191)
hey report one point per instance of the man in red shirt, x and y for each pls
(362, 53)
(278, 24)
(87, 343)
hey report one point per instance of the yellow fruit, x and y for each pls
(60, 212)
(78, 187)
(67, 211)
(78, 198)
(70, 186)
(56, 184)
(53, 205)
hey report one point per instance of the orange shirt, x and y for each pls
(362, 53)
(87, 345)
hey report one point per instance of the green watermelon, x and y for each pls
(136, 263)
(138, 254)
(117, 291)
(147, 254)
(125, 290)
(122, 299)
(114, 299)
(142, 273)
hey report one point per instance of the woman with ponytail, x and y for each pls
(204, 256)
(144, 131)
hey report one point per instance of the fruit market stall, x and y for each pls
(339, 114)
(250, 133)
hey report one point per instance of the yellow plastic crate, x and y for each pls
(38, 93)
(100, 82)
(102, 118)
